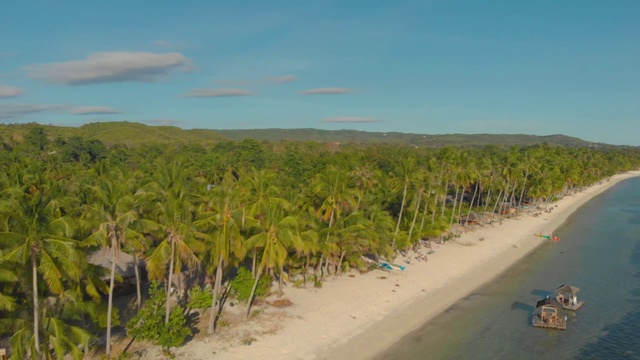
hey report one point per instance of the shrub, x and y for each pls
(243, 283)
(199, 298)
(149, 324)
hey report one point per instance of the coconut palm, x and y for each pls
(172, 216)
(405, 169)
(223, 239)
(337, 200)
(36, 235)
(275, 235)
(114, 206)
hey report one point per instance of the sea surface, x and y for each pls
(599, 252)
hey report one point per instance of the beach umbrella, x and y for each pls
(567, 289)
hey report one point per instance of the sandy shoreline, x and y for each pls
(343, 319)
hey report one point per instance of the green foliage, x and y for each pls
(317, 283)
(243, 283)
(98, 314)
(298, 283)
(199, 298)
(77, 149)
(37, 138)
(149, 324)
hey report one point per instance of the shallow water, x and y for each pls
(599, 252)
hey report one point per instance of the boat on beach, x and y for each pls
(547, 315)
(548, 237)
(567, 298)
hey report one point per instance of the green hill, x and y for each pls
(124, 133)
(133, 134)
(354, 136)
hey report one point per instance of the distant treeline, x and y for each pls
(134, 134)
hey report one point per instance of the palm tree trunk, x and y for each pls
(319, 267)
(498, 200)
(435, 209)
(404, 197)
(473, 198)
(253, 292)
(281, 282)
(487, 201)
(216, 288)
(342, 255)
(460, 205)
(455, 203)
(424, 216)
(306, 270)
(168, 311)
(111, 286)
(36, 307)
(524, 185)
(415, 215)
(513, 192)
(138, 290)
(253, 262)
(326, 265)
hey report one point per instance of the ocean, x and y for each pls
(599, 252)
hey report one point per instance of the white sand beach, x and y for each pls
(342, 319)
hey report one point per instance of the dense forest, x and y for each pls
(233, 214)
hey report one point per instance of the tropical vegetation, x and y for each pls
(270, 211)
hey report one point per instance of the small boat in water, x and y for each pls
(547, 315)
(567, 298)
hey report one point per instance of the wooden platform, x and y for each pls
(558, 324)
(573, 307)
(567, 306)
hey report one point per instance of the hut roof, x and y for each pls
(124, 261)
(474, 216)
(567, 289)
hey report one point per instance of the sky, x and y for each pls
(426, 67)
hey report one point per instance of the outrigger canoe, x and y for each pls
(554, 238)
(391, 266)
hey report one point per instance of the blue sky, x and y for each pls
(428, 67)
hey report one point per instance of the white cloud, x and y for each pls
(7, 91)
(10, 111)
(111, 67)
(217, 93)
(350, 119)
(93, 110)
(327, 91)
(281, 79)
(251, 82)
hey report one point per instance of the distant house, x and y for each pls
(124, 267)
(470, 219)
(506, 208)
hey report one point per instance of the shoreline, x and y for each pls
(344, 319)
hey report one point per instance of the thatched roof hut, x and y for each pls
(124, 262)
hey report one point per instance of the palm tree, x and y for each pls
(37, 235)
(223, 239)
(405, 172)
(175, 213)
(275, 235)
(364, 180)
(337, 199)
(114, 206)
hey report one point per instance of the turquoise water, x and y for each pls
(599, 253)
